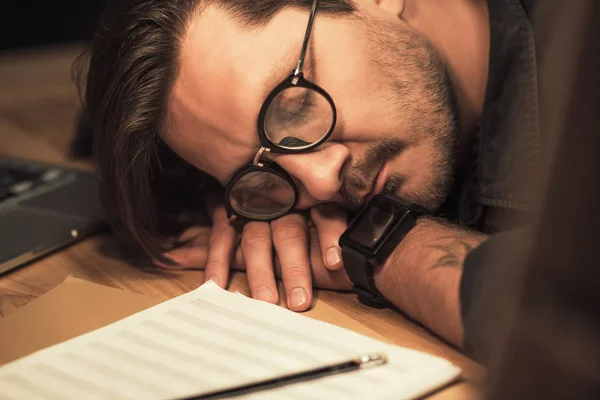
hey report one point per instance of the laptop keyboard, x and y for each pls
(19, 180)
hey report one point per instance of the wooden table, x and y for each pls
(38, 104)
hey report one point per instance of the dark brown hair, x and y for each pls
(132, 65)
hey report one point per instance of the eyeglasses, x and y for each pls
(296, 117)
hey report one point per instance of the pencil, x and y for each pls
(364, 361)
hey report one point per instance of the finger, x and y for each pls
(290, 238)
(220, 248)
(322, 276)
(192, 254)
(258, 256)
(194, 233)
(212, 201)
(330, 222)
(187, 257)
(238, 260)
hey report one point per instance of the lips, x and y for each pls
(356, 190)
(378, 183)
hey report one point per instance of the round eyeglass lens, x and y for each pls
(297, 117)
(262, 195)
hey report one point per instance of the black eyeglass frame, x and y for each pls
(296, 79)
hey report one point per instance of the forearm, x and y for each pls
(422, 277)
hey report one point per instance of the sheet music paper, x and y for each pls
(211, 339)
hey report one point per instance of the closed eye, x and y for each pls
(295, 109)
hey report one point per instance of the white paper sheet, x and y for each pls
(211, 339)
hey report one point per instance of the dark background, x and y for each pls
(37, 23)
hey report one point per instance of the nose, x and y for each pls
(319, 172)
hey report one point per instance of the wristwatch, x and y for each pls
(371, 237)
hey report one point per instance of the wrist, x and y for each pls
(402, 265)
(371, 238)
(422, 275)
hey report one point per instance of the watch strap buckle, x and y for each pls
(367, 297)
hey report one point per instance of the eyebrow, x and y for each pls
(280, 72)
(285, 68)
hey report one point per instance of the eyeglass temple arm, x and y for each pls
(313, 11)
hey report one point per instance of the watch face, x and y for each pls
(372, 224)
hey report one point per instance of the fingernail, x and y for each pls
(175, 256)
(265, 294)
(333, 256)
(298, 297)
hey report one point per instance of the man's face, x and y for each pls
(395, 130)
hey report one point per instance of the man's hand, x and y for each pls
(302, 254)
(422, 275)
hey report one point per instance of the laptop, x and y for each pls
(43, 208)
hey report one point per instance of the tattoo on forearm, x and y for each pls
(453, 250)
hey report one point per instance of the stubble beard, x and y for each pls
(424, 98)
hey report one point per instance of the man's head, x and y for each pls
(189, 77)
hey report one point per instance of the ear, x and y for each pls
(394, 6)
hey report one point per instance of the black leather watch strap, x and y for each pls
(361, 274)
(372, 235)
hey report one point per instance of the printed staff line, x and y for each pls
(392, 369)
(338, 388)
(270, 327)
(299, 392)
(280, 396)
(148, 343)
(150, 365)
(301, 396)
(198, 322)
(277, 394)
(207, 325)
(74, 380)
(193, 340)
(120, 376)
(27, 385)
(3, 396)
